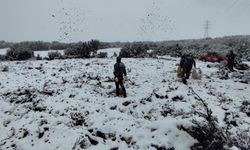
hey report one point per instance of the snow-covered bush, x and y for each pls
(102, 55)
(82, 50)
(70, 52)
(19, 54)
(54, 55)
(38, 57)
(2, 57)
(136, 49)
(94, 44)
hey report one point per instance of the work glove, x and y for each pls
(116, 79)
(126, 78)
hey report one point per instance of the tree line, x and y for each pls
(240, 44)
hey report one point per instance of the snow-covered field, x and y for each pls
(3, 51)
(70, 104)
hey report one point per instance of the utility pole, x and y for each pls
(207, 26)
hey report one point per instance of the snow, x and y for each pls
(246, 62)
(3, 51)
(150, 51)
(75, 90)
(44, 53)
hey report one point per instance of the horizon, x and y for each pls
(129, 41)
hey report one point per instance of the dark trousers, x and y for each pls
(187, 70)
(120, 82)
(230, 65)
(186, 74)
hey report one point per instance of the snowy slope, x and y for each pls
(69, 104)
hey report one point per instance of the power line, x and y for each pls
(226, 7)
(235, 2)
(207, 27)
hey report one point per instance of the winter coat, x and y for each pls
(119, 69)
(230, 57)
(187, 61)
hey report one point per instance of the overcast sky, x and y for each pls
(121, 20)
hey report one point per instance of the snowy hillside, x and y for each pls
(70, 104)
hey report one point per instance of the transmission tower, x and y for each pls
(207, 27)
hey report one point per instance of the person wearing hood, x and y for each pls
(187, 62)
(230, 60)
(119, 73)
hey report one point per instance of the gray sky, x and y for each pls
(121, 20)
